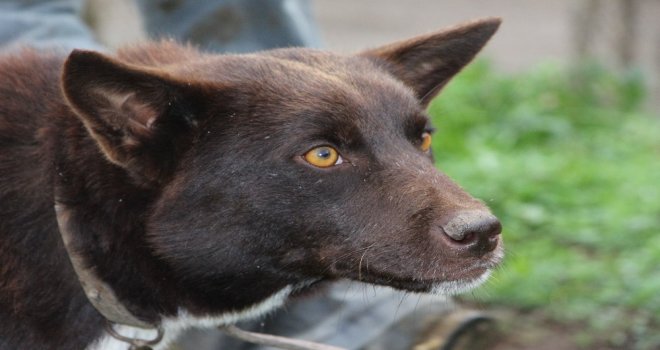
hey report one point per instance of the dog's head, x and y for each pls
(293, 165)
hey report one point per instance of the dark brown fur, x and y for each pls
(183, 175)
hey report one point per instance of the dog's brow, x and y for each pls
(417, 123)
(339, 131)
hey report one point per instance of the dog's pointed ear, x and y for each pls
(138, 116)
(426, 63)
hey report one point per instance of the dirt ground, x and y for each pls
(519, 330)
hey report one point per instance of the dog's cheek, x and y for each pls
(298, 214)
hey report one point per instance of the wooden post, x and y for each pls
(585, 23)
(627, 36)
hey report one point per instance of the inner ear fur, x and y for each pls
(137, 115)
(426, 63)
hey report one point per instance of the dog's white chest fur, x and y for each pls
(173, 326)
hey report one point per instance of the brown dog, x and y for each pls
(199, 189)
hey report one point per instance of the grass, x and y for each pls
(571, 165)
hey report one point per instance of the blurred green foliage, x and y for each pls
(571, 164)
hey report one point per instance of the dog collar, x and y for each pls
(99, 293)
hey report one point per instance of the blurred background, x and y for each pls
(556, 127)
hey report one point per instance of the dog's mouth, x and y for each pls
(433, 265)
(440, 282)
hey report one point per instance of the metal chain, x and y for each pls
(275, 341)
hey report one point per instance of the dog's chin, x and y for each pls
(459, 286)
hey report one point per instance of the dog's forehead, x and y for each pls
(353, 77)
(297, 80)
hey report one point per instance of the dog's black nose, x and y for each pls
(477, 230)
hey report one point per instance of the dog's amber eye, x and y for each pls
(323, 157)
(426, 142)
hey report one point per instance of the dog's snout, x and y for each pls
(476, 230)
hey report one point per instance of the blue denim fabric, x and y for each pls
(44, 24)
(217, 25)
(233, 25)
